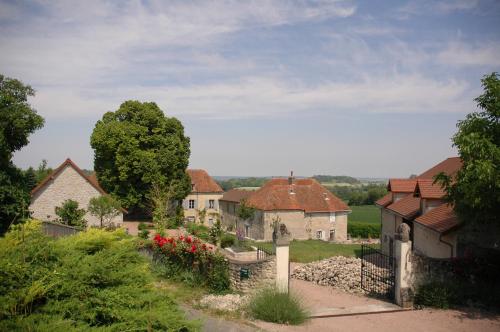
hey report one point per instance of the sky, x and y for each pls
(360, 88)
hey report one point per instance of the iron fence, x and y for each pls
(377, 272)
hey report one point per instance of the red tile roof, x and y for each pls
(426, 188)
(304, 194)
(68, 162)
(402, 185)
(449, 166)
(236, 195)
(407, 207)
(202, 182)
(440, 219)
(384, 201)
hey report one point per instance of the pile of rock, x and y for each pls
(340, 272)
(229, 302)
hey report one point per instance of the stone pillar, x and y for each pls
(283, 266)
(403, 291)
(281, 238)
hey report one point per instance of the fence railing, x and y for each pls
(263, 253)
(57, 230)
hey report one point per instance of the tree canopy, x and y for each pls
(137, 146)
(475, 191)
(17, 121)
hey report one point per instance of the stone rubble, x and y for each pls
(229, 302)
(340, 272)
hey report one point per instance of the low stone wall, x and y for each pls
(425, 269)
(260, 273)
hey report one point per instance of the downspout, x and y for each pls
(446, 243)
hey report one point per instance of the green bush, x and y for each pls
(142, 226)
(198, 230)
(227, 240)
(144, 234)
(94, 280)
(271, 305)
(437, 294)
(363, 230)
(189, 260)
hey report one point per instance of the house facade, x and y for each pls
(419, 203)
(202, 204)
(308, 210)
(67, 181)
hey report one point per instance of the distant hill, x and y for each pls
(336, 179)
(240, 182)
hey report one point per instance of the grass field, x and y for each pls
(369, 214)
(312, 250)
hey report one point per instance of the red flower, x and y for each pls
(193, 248)
(189, 239)
(204, 246)
(181, 237)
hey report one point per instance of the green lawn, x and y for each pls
(312, 250)
(369, 214)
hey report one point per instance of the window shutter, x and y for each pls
(216, 205)
(196, 204)
(185, 204)
(207, 204)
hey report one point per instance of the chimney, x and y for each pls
(290, 178)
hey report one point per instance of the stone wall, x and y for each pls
(425, 269)
(68, 184)
(201, 202)
(261, 273)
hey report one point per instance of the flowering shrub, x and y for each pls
(186, 253)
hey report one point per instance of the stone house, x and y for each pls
(203, 199)
(67, 181)
(420, 204)
(308, 210)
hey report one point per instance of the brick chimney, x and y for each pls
(291, 178)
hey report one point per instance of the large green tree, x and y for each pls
(17, 121)
(475, 190)
(137, 146)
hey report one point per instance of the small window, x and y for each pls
(190, 219)
(332, 235)
(211, 204)
(319, 235)
(191, 203)
(247, 230)
(210, 221)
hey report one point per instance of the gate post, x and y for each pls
(403, 292)
(282, 245)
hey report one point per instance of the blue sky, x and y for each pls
(362, 88)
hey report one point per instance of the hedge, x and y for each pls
(363, 230)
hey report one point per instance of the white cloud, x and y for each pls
(478, 54)
(265, 97)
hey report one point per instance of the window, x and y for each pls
(211, 204)
(191, 203)
(247, 230)
(332, 217)
(319, 235)
(190, 219)
(332, 234)
(210, 221)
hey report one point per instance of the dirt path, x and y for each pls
(315, 296)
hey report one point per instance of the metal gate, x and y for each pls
(377, 272)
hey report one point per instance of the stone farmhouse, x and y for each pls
(203, 201)
(420, 203)
(308, 210)
(67, 181)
